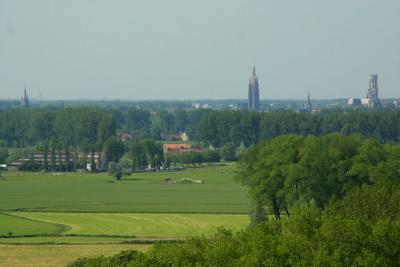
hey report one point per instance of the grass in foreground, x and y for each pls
(141, 192)
(56, 255)
(48, 240)
(140, 224)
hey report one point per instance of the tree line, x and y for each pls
(87, 130)
(90, 127)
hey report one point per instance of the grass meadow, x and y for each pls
(50, 220)
(139, 224)
(14, 226)
(140, 192)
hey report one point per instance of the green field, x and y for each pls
(141, 192)
(140, 224)
(50, 220)
(15, 226)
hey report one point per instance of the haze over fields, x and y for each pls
(197, 49)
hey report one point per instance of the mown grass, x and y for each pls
(141, 192)
(140, 224)
(14, 226)
(57, 255)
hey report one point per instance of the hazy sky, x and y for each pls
(187, 49)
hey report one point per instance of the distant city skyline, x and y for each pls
(188, 50)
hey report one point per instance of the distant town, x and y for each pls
(253, 102)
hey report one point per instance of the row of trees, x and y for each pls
(88, 128)
(221, 127)
(83, 128)
(208, 156)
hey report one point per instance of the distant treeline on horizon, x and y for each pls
(84, 127)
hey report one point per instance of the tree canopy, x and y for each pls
(289, 170)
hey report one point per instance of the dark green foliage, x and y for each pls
(4, 154)
(78, 127)
(144, 153)
(113, 150)
(289, 170)
(71, 126)
(208, 156)
(121, 259)
(211, 156)
(135, 119)
(115, 170)
(228, 152)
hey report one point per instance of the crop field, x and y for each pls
(140, 192)
(50, 220)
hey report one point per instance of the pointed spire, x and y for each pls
(253, 75)
(25, 99)
(309, 105)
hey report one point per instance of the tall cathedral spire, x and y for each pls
(253, 72)
(253, 93)
(308, 104)
(25, 99)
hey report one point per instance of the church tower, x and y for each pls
(308, 103)
(254, 94)
(372, 94)
(25, 99)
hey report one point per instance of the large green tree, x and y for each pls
(289, 170)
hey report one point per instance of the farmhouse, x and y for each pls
(178, 149)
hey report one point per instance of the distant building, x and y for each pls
(25, 99)
(201, 106)
(238, 106)
(59, 158)
(307, 106)
(233, 107)
(196, 105)
(178, 149)
(354, 102)
(308, 103)
(254, 92)
(397, 103)
(372, 94)
(184, 137)
(372, 99)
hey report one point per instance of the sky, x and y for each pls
(191, 49)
